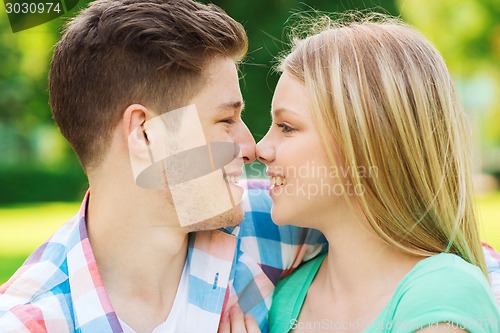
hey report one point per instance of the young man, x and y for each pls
(156, 79)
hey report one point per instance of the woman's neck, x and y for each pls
(357, 278)
(359, 264)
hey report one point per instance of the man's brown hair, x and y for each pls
(120, 52)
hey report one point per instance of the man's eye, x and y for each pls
(228, 121)
(285, 128)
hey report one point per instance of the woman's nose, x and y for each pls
(265, 150)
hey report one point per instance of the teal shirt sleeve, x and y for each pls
(444, 289)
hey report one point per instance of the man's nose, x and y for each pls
(246, 142)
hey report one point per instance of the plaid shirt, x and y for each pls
(59, 289)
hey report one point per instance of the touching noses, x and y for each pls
(265, 150)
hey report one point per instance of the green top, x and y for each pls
(440, 289)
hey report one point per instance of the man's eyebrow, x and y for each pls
(236, 105)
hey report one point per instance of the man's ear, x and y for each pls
(135, 136)
(134, 116)
(145, 133)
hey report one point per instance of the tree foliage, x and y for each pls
(467, 33)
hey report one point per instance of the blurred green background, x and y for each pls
(42, 183)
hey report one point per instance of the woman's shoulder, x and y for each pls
(446, 288)
(446, 272)
(444, 277)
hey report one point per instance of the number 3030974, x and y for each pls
(32, 8)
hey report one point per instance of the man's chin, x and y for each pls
(230, 218)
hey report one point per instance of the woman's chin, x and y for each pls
(279, 218)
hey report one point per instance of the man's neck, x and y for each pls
(140, 255)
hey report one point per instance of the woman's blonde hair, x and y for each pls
(381, 93)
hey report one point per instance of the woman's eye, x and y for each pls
(285, 128)
(228, 121)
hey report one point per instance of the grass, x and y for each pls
(24, 227)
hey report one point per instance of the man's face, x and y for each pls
(219, 106)
(197, 152)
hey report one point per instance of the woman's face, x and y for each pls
(303, 184)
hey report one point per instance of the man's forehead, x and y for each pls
(218, 64)
(221, 92)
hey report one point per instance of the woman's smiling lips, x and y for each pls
(277, 183)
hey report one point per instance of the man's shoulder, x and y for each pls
(47, 312)
(37, 297)
(55, 249)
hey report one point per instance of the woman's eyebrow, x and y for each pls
(277, 112)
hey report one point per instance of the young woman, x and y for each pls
(369, 144)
